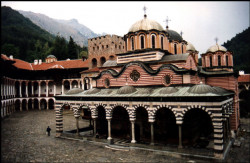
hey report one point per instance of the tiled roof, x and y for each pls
(96, 69)
(244, 78)
(65, 64)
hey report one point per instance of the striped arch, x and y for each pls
(110, 111)
(100, 104)
(197, 107)
(152, 113)
(132, 111)
(66, 103)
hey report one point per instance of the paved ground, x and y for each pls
(24, 139)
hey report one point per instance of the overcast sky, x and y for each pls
(200, 22)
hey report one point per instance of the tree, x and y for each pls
(59, 48)
(10, 49)
(83, 54)
(72, 49)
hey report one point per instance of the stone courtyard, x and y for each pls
(24, 139)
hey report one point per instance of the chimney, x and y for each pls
(11, 57)
(40, 61)
(35, 62)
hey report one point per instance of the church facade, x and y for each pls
(148, 87)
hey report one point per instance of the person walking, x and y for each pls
(48, 130)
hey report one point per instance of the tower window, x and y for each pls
(226, 60)
(175, 49)
(153, 41)
(211, 61)
(182, 48)
(142, 42)
(219, 60)
(132, 43)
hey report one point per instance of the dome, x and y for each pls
(105, 92)
(74, 91)
(93, 91)
(201, 89)
(145, 91)
(51, 56)
(168, 90)
(190, 47)
(173, 35)
(215, 48)
(145, 24)
(110, 63)
(126, 90)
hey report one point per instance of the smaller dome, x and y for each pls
(105, 92)
(92, 91)
(215, 48)
(173, 35)
(190, 47)
(74, 91)
(51, 56)
(110, 63)
(145, 91)
(168, 90)
(145, 24)
(126, 90)
(201, 89)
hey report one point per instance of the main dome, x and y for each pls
(215, 48)
(145, 24)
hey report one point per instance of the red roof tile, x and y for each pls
(244, 78)
(96, 69)
(22, 64)
(66, 64)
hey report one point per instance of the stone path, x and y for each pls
(24, 139)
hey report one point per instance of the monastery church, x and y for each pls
(145, 87)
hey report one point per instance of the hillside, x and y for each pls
(20, 35)
(239, 45)
(65, 28)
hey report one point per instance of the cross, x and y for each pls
(167, 20)
(216, 39)
(181, 33)
(144, 8)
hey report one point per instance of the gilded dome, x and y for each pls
(145, 24)
(215, 48)
(190, 47)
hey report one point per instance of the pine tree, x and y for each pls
(72, 49)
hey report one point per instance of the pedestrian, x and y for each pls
(48, 130)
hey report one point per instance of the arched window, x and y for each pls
(226, 60)
(94, 63)
(142, 42)
(219, 60)
(211, 61)
(182, 48)
(103, 60)
(175, 49)
(153, 41)
(161, 42)
(132, 43)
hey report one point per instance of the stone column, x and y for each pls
(94, 131)
(27, 105)
(82, 84)
(39, 105)
(55, 89)
(62, 87)
(20, 88)
(133, 131)
(47, 105)
(70, 84)
(110, 139)
(47, 89)
(26, 88)
(39, 89)
(33, 104)
(32, 89)
(79, 82)
(152, 133)
(77, 115)
(180, 136)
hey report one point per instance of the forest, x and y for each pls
(26, 41)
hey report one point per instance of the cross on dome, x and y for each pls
(181, 33)
(167, 20)
(145, 8)
(216, 40)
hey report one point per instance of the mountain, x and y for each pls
(19, 36)
(64, 28)
(239, 45)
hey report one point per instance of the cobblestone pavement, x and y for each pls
(24, 139)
